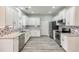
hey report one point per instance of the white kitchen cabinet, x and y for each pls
(2, 16)
(12, 17)
(9, 16)
(73, 44)
(64, 42)
(67, 18)
(16, 44)
(72, 16)
(35, 33)
(70, 43)
(9, 45)
(34, 21)
(25, 20)
(62, 14)
(6, 45)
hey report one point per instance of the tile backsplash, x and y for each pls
(6, 30)
(74, 29)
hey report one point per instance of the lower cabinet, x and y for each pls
(64, 42)
(16, 45)
(9, 45)
(35, 33)
(70, 43)
(73, 44)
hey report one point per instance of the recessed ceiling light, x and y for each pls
(29, 7)
(33, 12)
(49, 12)
(53, 7)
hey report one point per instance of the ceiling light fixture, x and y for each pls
(33, 12)
(49, 12)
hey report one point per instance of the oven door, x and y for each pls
(57, 36)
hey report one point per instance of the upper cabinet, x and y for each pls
(34, 21)
(2, 16)
(25, 20)
(11, 16)
(62, 14)
(72, 16)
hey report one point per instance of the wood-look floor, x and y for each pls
(42, 44)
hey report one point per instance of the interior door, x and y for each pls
(45, 27)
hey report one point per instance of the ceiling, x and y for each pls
(41, 9)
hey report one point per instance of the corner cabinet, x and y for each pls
(72, 16)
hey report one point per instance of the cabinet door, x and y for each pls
(73, 44)
(9, 16)
(15, 44)
(61, 40)
(77, 16)
(70, 16)
(62, 14)
(6, 45)
(67, 17)
(64, 41)
(2, 16)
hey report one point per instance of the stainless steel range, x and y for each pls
(57, 37)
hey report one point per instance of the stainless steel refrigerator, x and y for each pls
(52, 26)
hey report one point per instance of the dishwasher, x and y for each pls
(21, 41)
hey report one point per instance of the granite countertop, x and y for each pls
(11, 36)
(70, 34)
